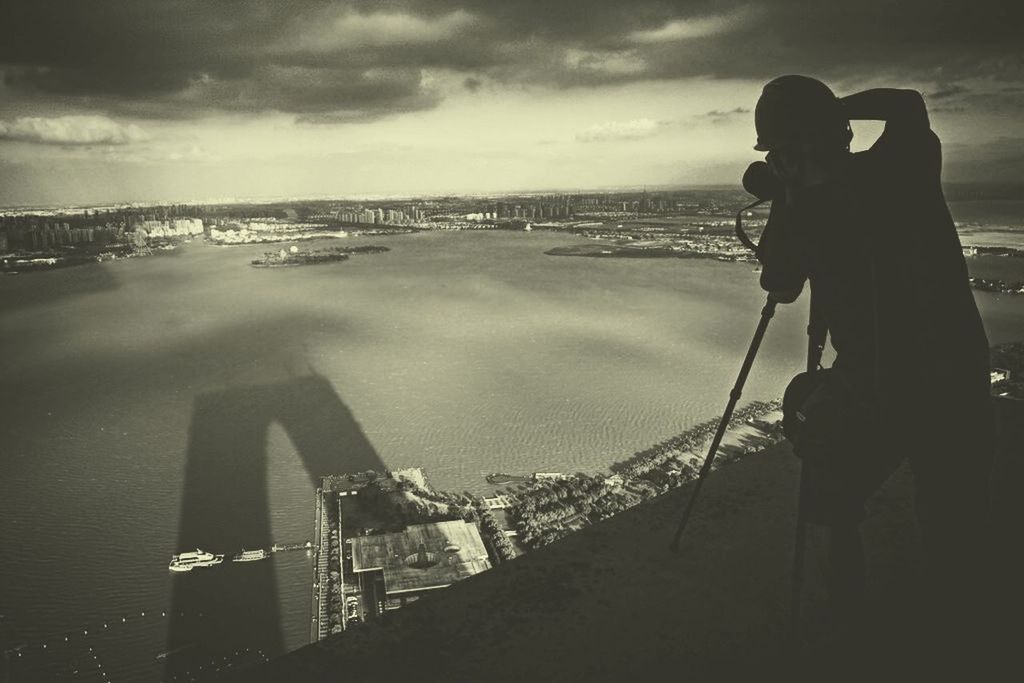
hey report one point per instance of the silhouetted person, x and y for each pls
(872, 234)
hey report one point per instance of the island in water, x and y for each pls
(308, 257)
(718, 247)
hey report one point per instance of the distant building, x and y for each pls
(614, 481)
(498, 502)
(399, 567)
(541, 476)
(178, 227)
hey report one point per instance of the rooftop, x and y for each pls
(423, 556)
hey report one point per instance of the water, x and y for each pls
(155, 404)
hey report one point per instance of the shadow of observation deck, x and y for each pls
(611, 603)
(225, 508)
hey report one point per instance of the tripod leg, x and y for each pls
(817, 333)
(734, 396)
(799, 547)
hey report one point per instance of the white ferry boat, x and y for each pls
(250, 555)
(187, 561)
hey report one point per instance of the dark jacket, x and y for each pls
(883, 258)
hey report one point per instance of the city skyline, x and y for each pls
(169, 101)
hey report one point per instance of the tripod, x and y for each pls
(734, 396)
(817, 332)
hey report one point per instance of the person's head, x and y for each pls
(803, 128)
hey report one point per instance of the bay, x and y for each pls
(156, 403)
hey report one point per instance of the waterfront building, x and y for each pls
(498, 502)
(401, 566)
(614, 481)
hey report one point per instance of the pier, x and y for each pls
(318, 610)
(306, 545)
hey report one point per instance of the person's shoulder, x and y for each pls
(903, 137)
(899, 150)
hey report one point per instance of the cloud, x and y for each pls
(314, 91)
(1001, 159)
(690, 28)
(610, 63)
(71, 130)
(946, 91)
(619, 130)
(190, 153)
(719, 114)
(342, 29)
(316, 59)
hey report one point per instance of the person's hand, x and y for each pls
(759, 181)
(784, 296)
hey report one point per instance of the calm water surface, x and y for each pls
(155, 404)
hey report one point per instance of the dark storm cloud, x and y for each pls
(1001, 159)
(365, 58)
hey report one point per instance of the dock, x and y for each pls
(307, 545)
(318, 609)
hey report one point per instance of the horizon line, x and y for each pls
(371, 197)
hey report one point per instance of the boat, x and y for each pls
(250, 555)
(503, 478)
(164, 655)
(291, 546)
(187, 561)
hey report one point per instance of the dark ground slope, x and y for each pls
(611, 603)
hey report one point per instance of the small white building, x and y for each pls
(998, 375)
(498, 502)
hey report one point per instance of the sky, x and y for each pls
(106, 101)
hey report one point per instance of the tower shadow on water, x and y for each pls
(224, 610)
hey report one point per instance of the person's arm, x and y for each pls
(782, 274)
(898, 107)
(907, 149)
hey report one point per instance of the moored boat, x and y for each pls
(250, 555)
(189, 560)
